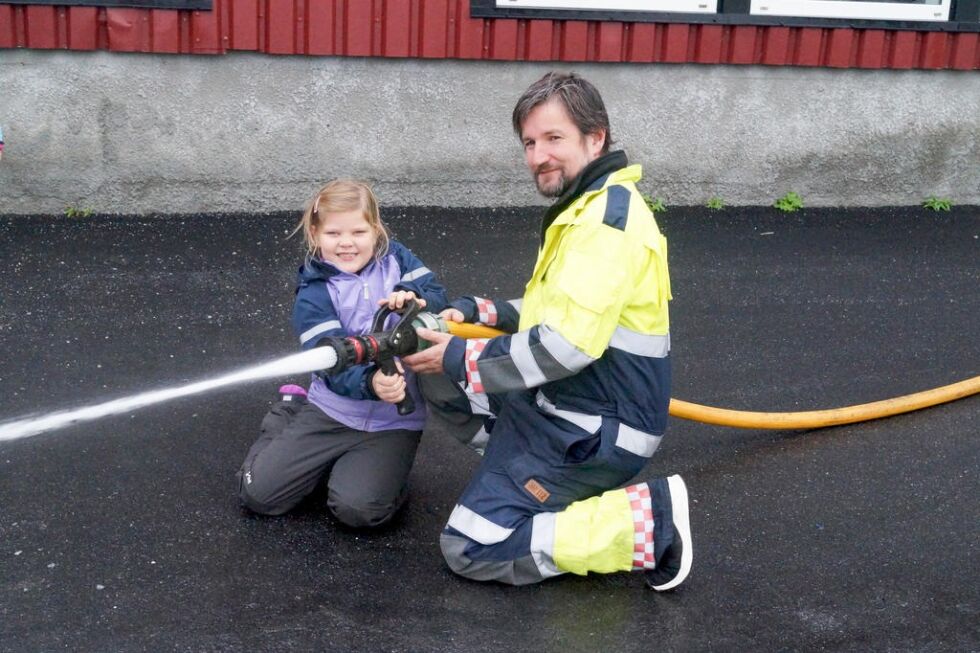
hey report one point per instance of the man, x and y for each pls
(576, 394)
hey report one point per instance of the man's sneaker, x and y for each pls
(673, 562)
(292, 392)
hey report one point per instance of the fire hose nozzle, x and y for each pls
(381, 346)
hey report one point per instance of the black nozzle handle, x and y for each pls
(406, 405)
(400, 340)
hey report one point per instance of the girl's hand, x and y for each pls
(452, 314)
(397, 299)
(389, 388)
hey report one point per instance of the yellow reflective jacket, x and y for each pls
(603, 265)
(593, 334)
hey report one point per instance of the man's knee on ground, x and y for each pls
(452, 552)
(521, 571)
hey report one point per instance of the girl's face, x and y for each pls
(346, 240)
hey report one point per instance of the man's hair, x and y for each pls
(580, 99)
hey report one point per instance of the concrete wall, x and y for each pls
(125, 133)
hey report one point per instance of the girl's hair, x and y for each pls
(338, 196)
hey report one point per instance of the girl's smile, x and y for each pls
(346, 240)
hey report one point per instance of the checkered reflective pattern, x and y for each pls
(487, 311)
(640, 504)
(474, 347)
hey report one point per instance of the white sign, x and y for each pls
(687, 6)
(858, 9)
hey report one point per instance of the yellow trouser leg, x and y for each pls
(595, 535)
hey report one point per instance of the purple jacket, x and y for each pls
(330, 302)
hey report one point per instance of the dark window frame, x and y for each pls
(964, 16)
(198, 5)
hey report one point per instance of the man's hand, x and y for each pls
(429, 361)
(452, 315)
(390, 388)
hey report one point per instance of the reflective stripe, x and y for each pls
(416, 273)
(474, 346)
(543, 543)
(520, 353)
(589, 423)
(309, 334)
(479, 401)
(486, 311)
(571, 357)
(477, 528)
(641, 505)
(516, 303)
(636, 441)
(480, 440)
(640, 344)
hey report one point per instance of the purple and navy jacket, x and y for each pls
(330, 302)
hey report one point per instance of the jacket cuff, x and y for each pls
(466, 306)
(367, 388)
(453, 359)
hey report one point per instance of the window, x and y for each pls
(930, 15)
(937, 10)
(695, 6)
(142, 4)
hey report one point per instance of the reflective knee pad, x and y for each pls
(595, 534)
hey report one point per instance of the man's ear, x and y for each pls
(594, 143)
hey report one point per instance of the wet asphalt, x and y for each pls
(124, 534)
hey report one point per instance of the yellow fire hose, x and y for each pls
(811, 419)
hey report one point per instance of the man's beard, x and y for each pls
(555, 190)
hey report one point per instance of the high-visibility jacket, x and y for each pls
(601, 281)
(594, 333)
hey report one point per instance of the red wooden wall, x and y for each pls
(444, 29)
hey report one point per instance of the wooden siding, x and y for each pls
(441, 29)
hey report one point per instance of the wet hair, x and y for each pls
(580, 99)
(341, 195)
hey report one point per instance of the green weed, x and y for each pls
(789, 202)
(934, 203)
(76, 212)
(655, 204)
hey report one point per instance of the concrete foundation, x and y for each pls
(130, 133)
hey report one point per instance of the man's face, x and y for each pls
(554, 148)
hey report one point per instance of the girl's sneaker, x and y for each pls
(292, 392)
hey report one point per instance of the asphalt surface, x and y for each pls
(124, 534)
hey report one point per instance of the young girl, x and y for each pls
(347, 434)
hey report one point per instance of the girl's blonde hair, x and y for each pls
(339, 196)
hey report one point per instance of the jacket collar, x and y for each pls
(592, 177)
(314, 268)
